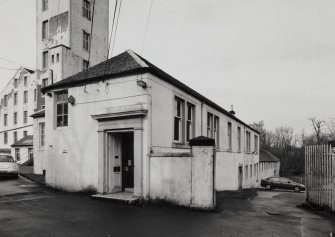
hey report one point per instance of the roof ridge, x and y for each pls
(137, 58)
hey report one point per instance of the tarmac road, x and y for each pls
(34, 212)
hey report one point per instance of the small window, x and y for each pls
(248, 142)
(256, 144)
(15, 98)
(216, 130)
(17, 154)
(45, 59)
(87, 9)
(45, 30)
(44, 82)
(31, 153)
(86, 40)
(25, 97)
(15, 118)
(25, 116)
(52, 59)
(250, 170)
(25, 133)
(62, 109)
(85, 64)
(178, 114)
(190, 122)
(35, 95)
(5, 117)
(15, 136)
(42, 132)
(238, 138)
(229, 136)
(25, 79)
(246, 171)
(209, 125)
(44, 5)
(5, 98)
(16, 83)
(57, 57)
(5, 137)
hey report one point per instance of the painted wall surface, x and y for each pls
(268, 169)
(228, 160)
(170, 179)
(39, 151)
(72, 151)
(19, 108)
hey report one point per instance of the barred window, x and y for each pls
(62, 109)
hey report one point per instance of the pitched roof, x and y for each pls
(29, 70)
(129, 63)
(38, 114)
(266, 156)
(26, 141)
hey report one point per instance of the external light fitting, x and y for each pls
(141, 83)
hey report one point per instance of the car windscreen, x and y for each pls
(6, 158)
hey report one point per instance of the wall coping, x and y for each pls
(170, 154)
(202, 141)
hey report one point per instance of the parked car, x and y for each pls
(8, 166)
(281, 183)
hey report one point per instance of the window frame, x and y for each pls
(45, 59)
(5, 138)
(248, 142)
(256, 144)
(45, 30)
(25, 133)
(45, 4)
(15, 118)
(86, 9)
(5, 100)
(64, 104)
(41, 127)
(5, 120)
(17, 154)
(178, 119)
(15, 100)
(25, 116)
(239, 139)
(86, 64)
(15, 139)
(25, 97)
(190, 121)
(86, 42)
(230, 136)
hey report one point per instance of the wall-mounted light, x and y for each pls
(141, 83)
(71, 100)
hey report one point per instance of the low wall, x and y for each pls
(170, 178)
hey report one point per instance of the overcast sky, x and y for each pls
(274, 60)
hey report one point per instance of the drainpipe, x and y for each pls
(202, 109)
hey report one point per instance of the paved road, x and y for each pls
(47, 213)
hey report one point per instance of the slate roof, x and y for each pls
(266, 156)
(129, 63)
(26, 141)
(38, 114)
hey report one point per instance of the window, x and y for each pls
(246, 171)
(190, 122)
(44, 82)
(44, 5)
(85, 64)
(250, 170)
(62, 109)
(216, 131)
(178, 114)
(15, 136)
(45, 59)
(5, 98)
(16, 83)
(25, 79)
(35, 95)
(5, 137)
(42, 132)
(15, 118)
(248, 146)
(87, 9)
(5, 117)
(25, 97)
(86, 40)
(15, 98)
(25, 116)
(229, 136)
(17, 154)
(239, 139)
(45, 30)
(256, 144)
(52, 59)
(210, 125)
(57, 57)
(25, 133)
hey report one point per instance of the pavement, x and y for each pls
(38, 211)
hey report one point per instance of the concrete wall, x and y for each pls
(39, 151)
(72, 151)
(185, 179)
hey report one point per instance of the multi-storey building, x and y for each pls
(70, 38)
(18, 101)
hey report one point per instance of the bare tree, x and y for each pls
(317, 126)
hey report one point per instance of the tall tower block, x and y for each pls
(64, 36)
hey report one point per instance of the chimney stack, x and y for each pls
(232, 110)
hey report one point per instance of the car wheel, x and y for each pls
(268, 187)
(296, 189)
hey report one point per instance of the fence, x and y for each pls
(320, 175)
